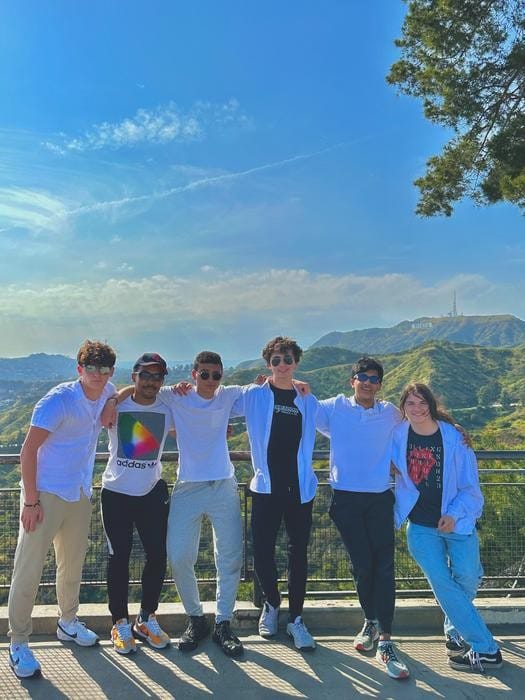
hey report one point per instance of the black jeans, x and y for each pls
(268, 510)
(149, 514)
(366, 524)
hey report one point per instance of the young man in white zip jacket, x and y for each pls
(281, 428)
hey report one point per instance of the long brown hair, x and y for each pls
(437, 412)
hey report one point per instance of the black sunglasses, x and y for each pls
(362, 377)
(205, 374)
(153, 376)
(287, 359)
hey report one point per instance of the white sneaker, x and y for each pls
(298, 631)
(269, 621)
(386, 655)
(76, 631)
(364, 640)
(22, 661)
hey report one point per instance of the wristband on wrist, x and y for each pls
(32, 505)
(113, 398)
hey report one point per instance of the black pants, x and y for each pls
(268, 510)
(149, 514)
(366, 524)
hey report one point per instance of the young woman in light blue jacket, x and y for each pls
(437, 489)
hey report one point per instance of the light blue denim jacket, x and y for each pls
(461, 497)
(256, 403)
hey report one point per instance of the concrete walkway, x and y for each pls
(272, 668)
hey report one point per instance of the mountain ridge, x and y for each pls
(501, 330)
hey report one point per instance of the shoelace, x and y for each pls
(124, 630)
(154, 626)
(456, 639)
(369, 629)
(475, 661)
(300, 628)
(25, 653)
(388, 653)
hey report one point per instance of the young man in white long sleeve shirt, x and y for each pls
(360, 431)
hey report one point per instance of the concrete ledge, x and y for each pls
(411, 615)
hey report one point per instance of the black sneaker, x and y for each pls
(455, 645)
(228, 642)
(476, 661)
(198, 628)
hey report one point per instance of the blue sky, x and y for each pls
(178, 176)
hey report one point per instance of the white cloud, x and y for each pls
(161, 125)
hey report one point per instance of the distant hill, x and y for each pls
(38, 367)
(491, 331)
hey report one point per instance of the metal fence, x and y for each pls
(502, 536)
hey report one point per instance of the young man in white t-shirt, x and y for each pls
(57, 460)
(206, 485)
(135, 496)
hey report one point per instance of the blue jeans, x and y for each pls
(453, 569)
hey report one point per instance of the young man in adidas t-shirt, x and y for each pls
(56, 461)
(135, 496)
(206, 486)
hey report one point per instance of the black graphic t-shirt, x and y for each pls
(425, 468)
(285, 435)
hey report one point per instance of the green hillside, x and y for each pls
(491, 331)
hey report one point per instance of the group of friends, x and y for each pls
(372, 442)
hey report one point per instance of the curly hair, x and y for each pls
(95, 352)
(282, 344)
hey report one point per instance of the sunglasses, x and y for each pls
(152, 376)
(362, 377)
(91, 369)
(287, 359)
(205, 374)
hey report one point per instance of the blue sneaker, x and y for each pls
(22, 661)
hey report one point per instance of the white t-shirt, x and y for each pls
(360, 442)
(66, 458)
(135, 447)
(201, 426)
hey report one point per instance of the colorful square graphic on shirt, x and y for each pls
(140, 435)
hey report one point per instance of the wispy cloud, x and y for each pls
(30, 209)
(207, 181)
(161, 125)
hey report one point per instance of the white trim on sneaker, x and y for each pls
(302, 638)
(23, 661)
(76, 631)
(269, 621)
(386, 655)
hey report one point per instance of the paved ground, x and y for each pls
(269, 669)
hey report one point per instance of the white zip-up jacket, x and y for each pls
(461, 496)
(256, 403)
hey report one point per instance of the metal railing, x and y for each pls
(502, 536)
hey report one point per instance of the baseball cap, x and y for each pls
(150, 358)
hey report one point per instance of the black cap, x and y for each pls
(150, 358)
